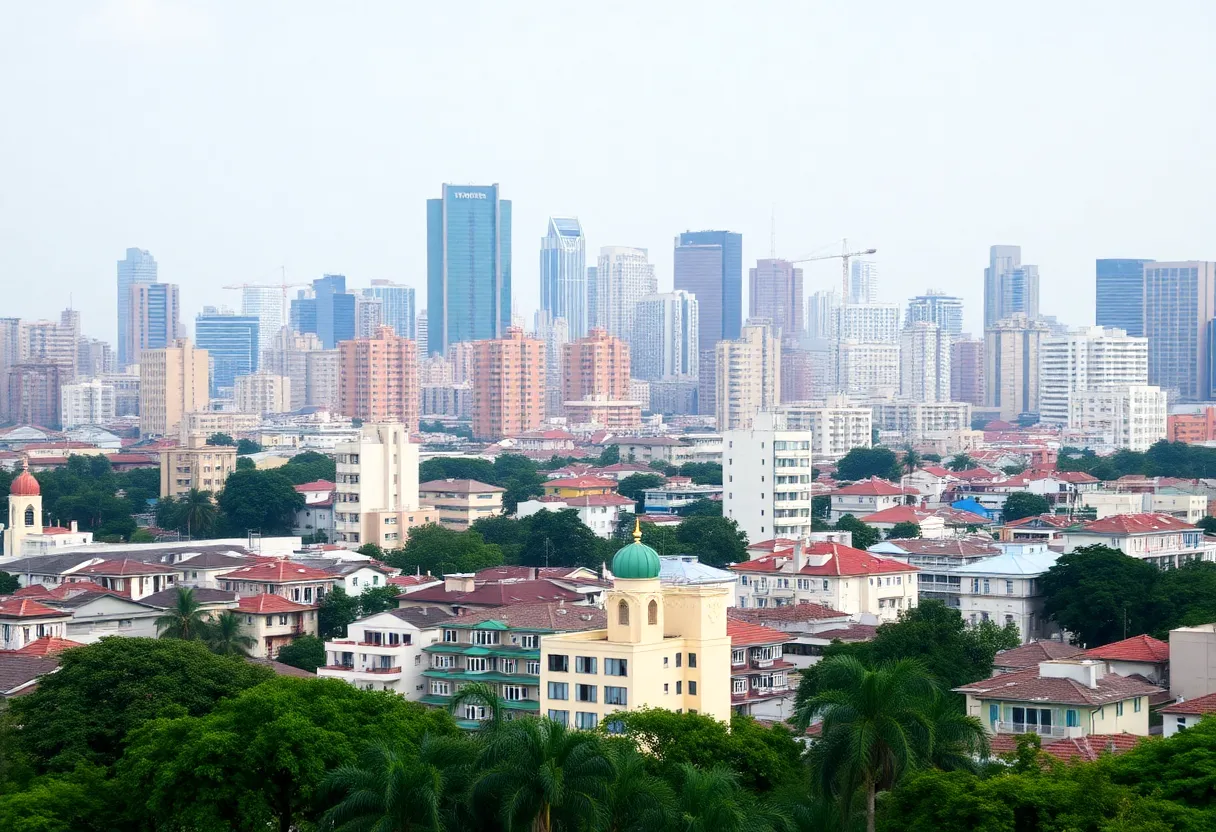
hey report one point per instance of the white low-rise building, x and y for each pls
(837, 425)
(1162, 540)
(866, 497)
(385, 651)
(917, 421)
(1004, 589)
(766, 477)
(599, 512)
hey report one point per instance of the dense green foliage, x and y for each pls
(634, 485)
(8, 583)
(701, 508)
(1021, 504)
(904, 530)
(864, 535)
(264, 501)
(519, 475)
(309, 466)
(220, 439)
(863, 463)
(1163, 459)
(305, 652)
(961, 462)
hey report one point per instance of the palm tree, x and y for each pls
(961, 462)
(542, 776)
(638, 801)
(959, 741)
(198, 512)
(481, 694)
(392, 791)
(185, 619)
(227, 637)
(911, 459)
(875, 727)
(711, 800)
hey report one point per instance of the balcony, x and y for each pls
(1041, 730)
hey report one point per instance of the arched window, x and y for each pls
(29, 516)
(652, 612)
(622, 613)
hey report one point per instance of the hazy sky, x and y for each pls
(230, 138)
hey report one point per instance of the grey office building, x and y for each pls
(936, 308)
(1120, 294)
(1010, 288)
(137, 267)
(1179, 301)
(231, 342)
(709, 264)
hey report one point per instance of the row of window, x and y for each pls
(481, 664)
(587, 664)
(489, 638)
(589, 693)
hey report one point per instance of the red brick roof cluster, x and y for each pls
(841, 561)
(27, 608)
(316, 485)
(267, 604)
(790, 613)
(1137, 524)
(874, 487)
(1030, 654)
(1087, 748)
(277, 571)
(745, 634)
(1135, 649)
(1198, 706)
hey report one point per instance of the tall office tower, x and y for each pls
(863, 281)
(665, 336)
(422, 336)
(623, 276)
(563, 274)
(556, 334)
(1120, 295)
(397, 303)
(597, 312)
(865, 369)
(924, 363)
(1010, 288)
(86, 403)
(53, 341)
(595, 367)
(468, 265)
(709, 265)
(767, 471)
(263, 393)
(34, 394)
(967, 370)
(936, 308)
(821, 315)
(137, 267)
(231, 341)
(369, 317)
(798, 373)
(1179, 300)
(302, 317)
(172, 383)
(322, 379)
(266, 304)
(286, 356)
(335, 310)
(1011, 366)
(869, 323)
(379, 379)
(508, 385)
(748, 377)
(153, 318)
(1094, 358)
(10, 354)
(377, 489)
(462, 356)
(775, 292)
(94, 357)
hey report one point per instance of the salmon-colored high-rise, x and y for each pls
(508, 385)
(595, 367)
(378, 379)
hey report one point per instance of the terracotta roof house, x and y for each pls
(1030, 654)
(867, 497)
(48, 646)
(1185, 713)
(461, 593)
(293, 581)
(1086, 749)
(1160, 539)
(23, 620)
(1142, 655)
(759, 674)
(132, 578)
(274, 622)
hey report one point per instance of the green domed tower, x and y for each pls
(636, 561)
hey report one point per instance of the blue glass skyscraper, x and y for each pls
(1120, 294)
(468, 264)
(396, 304)
(231, 342)
(720, 293)
(335, 310)
(137, 267)
(563, 274)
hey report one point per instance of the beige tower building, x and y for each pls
(287, 355)
(748, 373)
(508, 385)
(1011, 365)
(195, 464)
(378, 379)
(172, 382)
(262, 393)
(376, 495)
(664, 647)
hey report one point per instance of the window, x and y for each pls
(485, 637)
(441, 688)
(622, 613)
(533, 668)
(825, 585)
(507, 666)
(475, 712)
(559, 664)
(449, 636)
(560, 717)
(987, 587)
(1071, 718)
(652, 612)
(443, 662)
(1008, 587)
(692, 659)
(616, 726)
(559, 690)
(666, 689)
(679, 687)
(585, 721)
(738, 687)
(475, 664)
(616, 667)
(664, 661)
(514, 693)
(736, 657)
(1136, 705)
(585, 693)
(529, 641)
(1181, 722)
(975, 584)
(282, 620)
(692, 687)
(1118, 709)
(616, 696)
(584, 664)
(679, 659)
(994, 713)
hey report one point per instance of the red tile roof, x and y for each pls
(1028, 686)
(413, 580)
(496, 594)
(1200, 705)
(1136, 524)
(899, 514)
(316, 485)
(277, 571)
(268, 604)
(744, 633)
(27, 608)
(547, 616)
(840, 560)
(48, 646)
(977, 474)
(1135, 649)
(1058, 521)
(772, 545)
(125, 566)
(1030, 654)
(1087, 748)
(67, 590)
(937, 471)
(32, 591)
(788, 613)
(873, 487)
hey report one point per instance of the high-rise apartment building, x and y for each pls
(799, 370)
(137, 267)
(266, 304)
(866, 368)
(624, 275)
(563, 274)
(172, 383)
(863, 281)
(709, 265)
(595, 367)
(944, 310)
(468, 262)
(766, 475)
(379, 379)
(322, 377)
(462, 356)
(1120, 294)
(376, 495)
(153, 318)
(666, 331)
(422, 335)
(1131, 416)
(286, 356)
(52, 341)
(369, 316)
(775, 292)
(10, 354)
(837, 425)
(33, 394)
(508, 385)
(396, 307)
(967, 370)
(231, 343)
(86, 403)
(924, 371)
(1010, 288)
(1011, 365)
(748, 375)
(871, 323)
(555, 333)
(126, 392)
(94, 357)
(821, 315)
(335, 310)
(1179, 300)
(263, 393)
(1094, 358)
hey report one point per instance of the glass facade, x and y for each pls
(231, 342)
(468, 265)
(563, 274)
(137, 267)
(162, 316)
(335, 310)
(397, 306)
(1120, 294)
(720, 293)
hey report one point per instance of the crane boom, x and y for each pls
(844, 257)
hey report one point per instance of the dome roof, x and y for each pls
(24, 484)
(637, 561)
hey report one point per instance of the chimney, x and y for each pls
(74, 529)
(799, 557)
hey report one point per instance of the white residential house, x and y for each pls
(1004, 589)
(599, 512)
(317, 513)
(1162, 540)
(929, 483)
(869, 497)
(23, 620)
(385, 651)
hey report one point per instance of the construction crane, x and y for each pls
(844, 256)
(282, 285)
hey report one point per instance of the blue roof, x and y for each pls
(1011, 564)
(687, 569)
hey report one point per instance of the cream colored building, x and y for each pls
(748, 375)
(376, 495)
(866, 369)
(262, 393)
(665, 646)
(1011, 365)
(172, 382)
(837, 425)
(322, 372)
(195, 464)
(461, 503)
(1132, 417)
(208, 422)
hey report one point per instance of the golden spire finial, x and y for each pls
(637, 530)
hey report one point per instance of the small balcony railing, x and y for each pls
(1027, 728)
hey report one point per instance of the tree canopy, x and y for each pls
(438, 551)
(864, 535)
(265, 501)
(1021, 504)
(863, 463)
